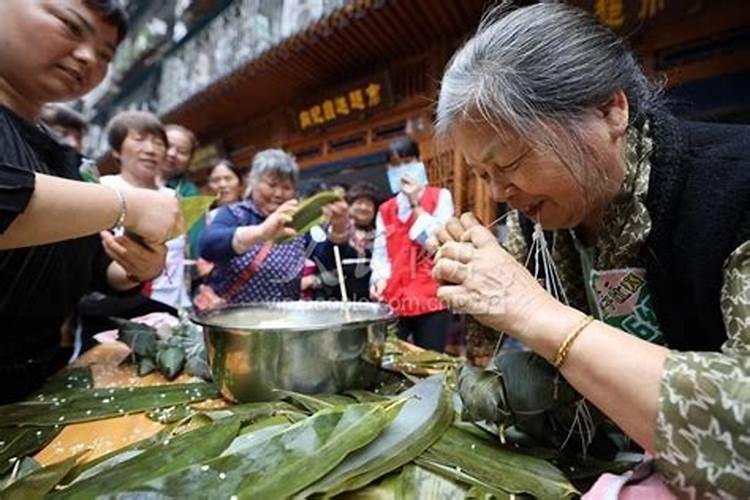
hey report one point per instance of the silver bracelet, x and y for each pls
(123, 209)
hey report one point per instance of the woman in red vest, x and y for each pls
(401, 262)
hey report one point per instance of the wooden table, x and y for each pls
(104, 436)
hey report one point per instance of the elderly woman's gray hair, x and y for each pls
(535, 72)
(275, 162)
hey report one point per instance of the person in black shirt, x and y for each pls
(50, 253)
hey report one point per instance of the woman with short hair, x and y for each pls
(650, 220)
(249, 267)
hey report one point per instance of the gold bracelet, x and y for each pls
(562, 352)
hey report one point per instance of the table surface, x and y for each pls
(104, 436)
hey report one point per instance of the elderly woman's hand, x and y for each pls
(337, 214)
(479, 278)
(275, 225)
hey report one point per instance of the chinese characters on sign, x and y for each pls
(628, 13)
(363, 97)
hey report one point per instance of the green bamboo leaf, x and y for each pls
(171, 455)
(387, 488)
(250, 412)
(478, 488)
(282, 464)
(497, 466)
(142, 339)
(171, 414)
(316, 402)
(418, 482)
(309, 213)
(94, 404)
(483, 395)
(192, 208)
(16, 443)
(359, 425)
(365, 396)
(167, 432)
(35, 485)
(171, 361)
(69, 379)
(425, 416)
(146, 365)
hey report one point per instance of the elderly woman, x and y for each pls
(364, 199)
(651, 226)
(249, 267)
(50, 252)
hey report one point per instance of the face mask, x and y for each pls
(415, 169)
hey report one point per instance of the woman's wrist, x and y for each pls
(545, 331)
(247, 236)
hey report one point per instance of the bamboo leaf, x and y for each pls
(317, 402)
(250, 412)
(94, 404)
(425, 416)
(497, 467)
(35, 485)
(483, 395)
(146, 365)
(279, 466)
(143, 444)
(192, 209)
(141, 338)
(478, 489)
(365, 396)
(309, 213)
(418, 482)
(171, 455)
(17, 443)
(68, 380)
(171, 361)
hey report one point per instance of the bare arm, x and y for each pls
(62, 209)
(618, 372)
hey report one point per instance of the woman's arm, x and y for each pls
(61, 209)
(619, 373)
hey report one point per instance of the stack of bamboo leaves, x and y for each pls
(355, 445)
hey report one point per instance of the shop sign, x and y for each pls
(204, 155)
(628, 14)
(352, 101)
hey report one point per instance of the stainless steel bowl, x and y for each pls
(308, 347)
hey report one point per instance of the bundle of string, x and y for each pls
(546, 273)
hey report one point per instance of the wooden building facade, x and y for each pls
(337, 93)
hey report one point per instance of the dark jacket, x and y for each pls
(699, 202)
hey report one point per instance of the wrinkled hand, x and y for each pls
(337, 213)
(377, 289)
(139, 263)
(479, 278)
(410, 187)
(275, 225)
(151, 215)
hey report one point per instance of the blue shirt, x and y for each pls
(279, 275)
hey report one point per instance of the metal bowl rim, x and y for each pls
(202, 319)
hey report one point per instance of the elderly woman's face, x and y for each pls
(53, 50)
(532, 181)
(270, 191)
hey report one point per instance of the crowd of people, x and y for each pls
(636, 202)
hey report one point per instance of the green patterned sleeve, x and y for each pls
(702, 436)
